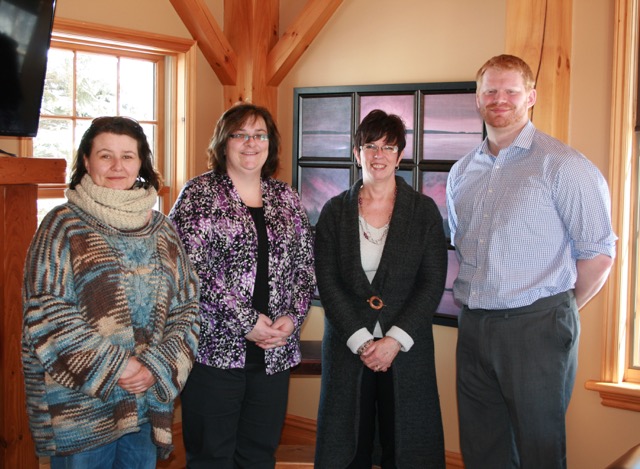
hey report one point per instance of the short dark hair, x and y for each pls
(118, 125)
(233, 119)
(378, 124)
(508, 62)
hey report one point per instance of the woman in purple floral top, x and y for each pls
(251, 244)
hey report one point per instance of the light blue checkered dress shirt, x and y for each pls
(519, 221)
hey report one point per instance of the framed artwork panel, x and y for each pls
(402, 105)
(449, 308)
(452, 126)
(325, 130)
(442, 123)
(319, 184)
(434, 185)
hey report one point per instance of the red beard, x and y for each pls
(509, 116)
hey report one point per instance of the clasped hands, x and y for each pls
(268, 334)
(379, 355)
(136, 378)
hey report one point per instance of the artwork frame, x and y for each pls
(443, 125)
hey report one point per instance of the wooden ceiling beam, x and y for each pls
(252, 29)
(297, 38)
(213, 43)
(251, 60)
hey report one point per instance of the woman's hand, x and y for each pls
(380, 354)
(284, 324)
(269, 334)
(136, 378)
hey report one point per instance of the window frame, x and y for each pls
(176, 62)
(619, 384)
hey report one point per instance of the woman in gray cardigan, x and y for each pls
(381, 262)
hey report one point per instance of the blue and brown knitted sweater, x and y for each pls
(93, 297)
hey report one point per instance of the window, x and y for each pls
(94, 71)
(619, 385)
(442, 123)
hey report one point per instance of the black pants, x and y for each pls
(376, 399)
(233, 418)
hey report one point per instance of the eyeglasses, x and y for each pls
(371, 149)
(246, 137)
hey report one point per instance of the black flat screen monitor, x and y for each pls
(25, 36)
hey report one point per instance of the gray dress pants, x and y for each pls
(515, 373)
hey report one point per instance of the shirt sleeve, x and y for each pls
(202, 232)
(70, 349)
(452, 217)
(404, 339)
(304, 279)
(584, 204)
(172, 359)
(358, 338)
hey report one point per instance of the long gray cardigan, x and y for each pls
(410, 280)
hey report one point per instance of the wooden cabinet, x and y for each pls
(19, 179)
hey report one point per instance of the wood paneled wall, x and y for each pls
(539, 31)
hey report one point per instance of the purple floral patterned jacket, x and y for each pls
(220, 237)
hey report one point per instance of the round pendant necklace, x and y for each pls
(366, 229)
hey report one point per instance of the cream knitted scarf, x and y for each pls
(121, 209)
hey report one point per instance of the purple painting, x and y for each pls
(434, 184)
(400, 105)
(448, 305)
(326, 127)
(452, 126)
(317, 185)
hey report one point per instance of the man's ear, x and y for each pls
(531, 99)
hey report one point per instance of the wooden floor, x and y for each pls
(294, 456)
(297, 457)
(297, 443)
(296, 450)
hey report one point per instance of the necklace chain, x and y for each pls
(365, 226)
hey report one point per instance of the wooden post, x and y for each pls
(19, 179)
(539, 32)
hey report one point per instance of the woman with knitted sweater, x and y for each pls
(111, 320)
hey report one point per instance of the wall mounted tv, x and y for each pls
(25, 35)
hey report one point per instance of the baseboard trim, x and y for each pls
(298, 431)
(302, 431)
(453, 460)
